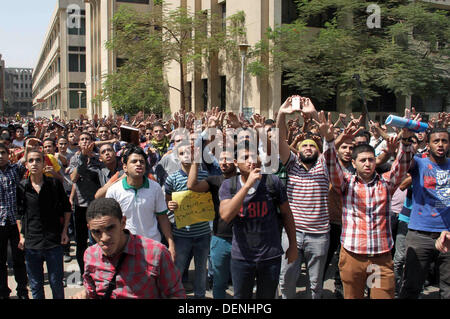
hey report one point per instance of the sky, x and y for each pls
(23, 24)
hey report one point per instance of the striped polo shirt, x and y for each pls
(177, 182)
(307, 192)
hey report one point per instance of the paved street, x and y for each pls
(430, 292)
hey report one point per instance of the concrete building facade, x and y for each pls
(100, 61)
(59, 78)
(18, 92)
(219, 84)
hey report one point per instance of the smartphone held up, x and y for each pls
(296, 103)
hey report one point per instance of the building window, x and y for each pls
(205, 94)
(223, 93)
(77, 85)
(223, 11)
(77, 49)
(74, 99)
(289, 12)
(436, 103)
(77, 63)
(189, 96)
(79, 31)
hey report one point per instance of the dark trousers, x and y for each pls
(81, 235)
(35, 267)
(10, 233)
(266, 273)
(420, 252)
(335, 246)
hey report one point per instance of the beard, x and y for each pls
(309, 159)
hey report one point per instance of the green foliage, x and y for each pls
(149, 42)
(408, 55)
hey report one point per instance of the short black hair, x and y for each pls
(364, 133)
(157, 124)
(437, 130)
(49, 139)
(35, 150)
(5, 136)
(4, 147)
(103, 207)
(88, 134)
(133, 149)
(362, 148)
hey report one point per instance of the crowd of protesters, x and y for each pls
(369, 205)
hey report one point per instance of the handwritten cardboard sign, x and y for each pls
(193, 207)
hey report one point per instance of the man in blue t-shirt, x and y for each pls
(256, 245)
(430, 215)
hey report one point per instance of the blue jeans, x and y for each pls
(53, 257)
(266, 272)
(200, 250)
(220, 265)
(313, 249)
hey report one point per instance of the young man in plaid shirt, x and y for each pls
(366, 239)
(122, 265)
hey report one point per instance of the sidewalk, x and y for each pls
(430, 292)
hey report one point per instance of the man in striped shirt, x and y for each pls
(195, 237)
(366, 240)
(307, 191)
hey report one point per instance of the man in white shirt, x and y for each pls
(142, 200)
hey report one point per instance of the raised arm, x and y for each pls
(229, 208)
(335, 172)
(193, 183)
(285, 151)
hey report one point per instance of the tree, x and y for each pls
(408, 54)
(149, 42)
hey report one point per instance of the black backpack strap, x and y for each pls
(112, 283)
(270, 186)
(233, 185)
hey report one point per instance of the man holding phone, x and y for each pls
(307, 192)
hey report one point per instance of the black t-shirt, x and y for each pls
(256, 236)
(220, 227)
(42, 214)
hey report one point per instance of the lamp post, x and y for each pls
(243, 50)
(79, 98)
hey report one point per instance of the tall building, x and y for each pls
(2, 85)
(100, 61)
(219, 82)
(219, 85)
(59, 79)
(17, 96)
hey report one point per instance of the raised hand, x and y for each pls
(391, 145)
(326, 127)
(307, 107)
(233, 120)
(286, 107)
(253, 177)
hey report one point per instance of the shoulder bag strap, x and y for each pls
(112, 283)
